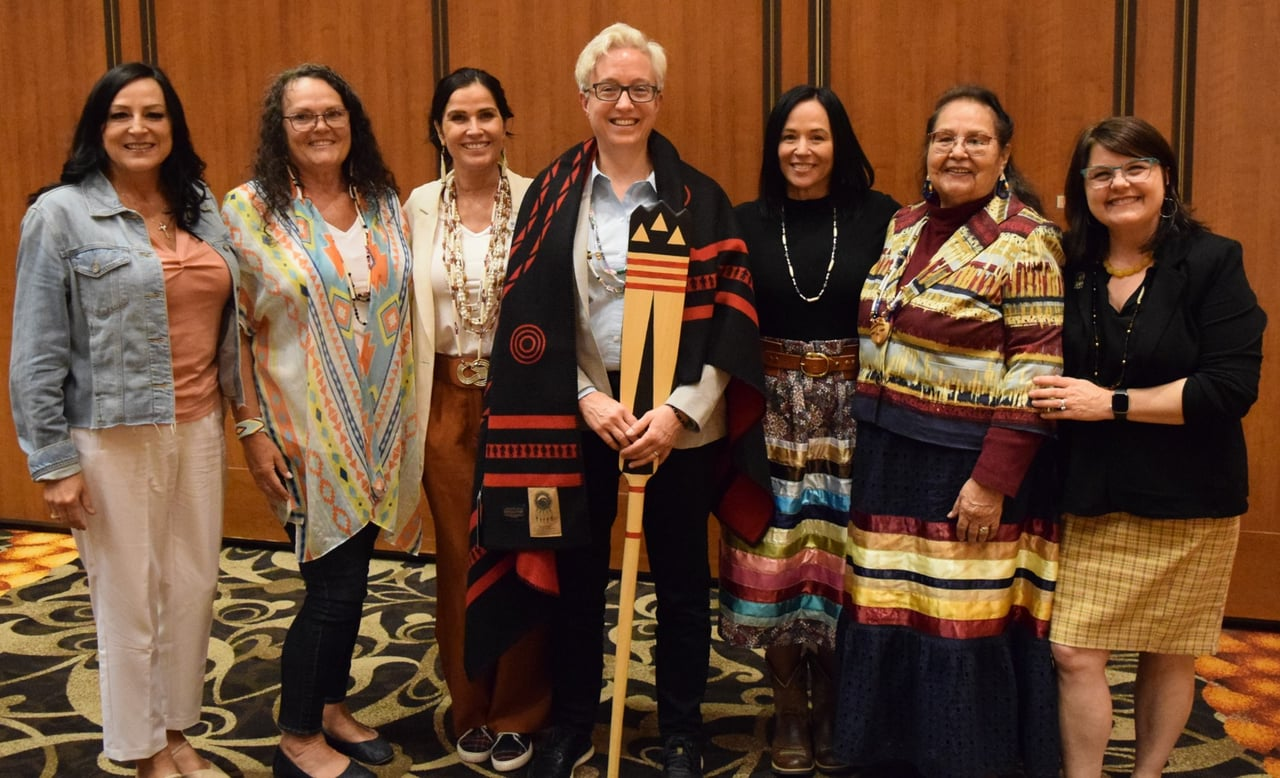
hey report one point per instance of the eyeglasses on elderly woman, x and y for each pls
(975, 145)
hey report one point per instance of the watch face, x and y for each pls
(1120, 401)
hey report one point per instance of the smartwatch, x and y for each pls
(1120, 404)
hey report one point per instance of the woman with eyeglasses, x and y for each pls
(1162, 347)
(125, 354)
(813, 234)
(331, 436)
(943, 641)
(462, 228)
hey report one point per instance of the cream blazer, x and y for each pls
(423, 210)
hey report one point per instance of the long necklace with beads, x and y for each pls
(360, 293)
(1097, 337)
(477, 315)
(791, 271)
(613, 281)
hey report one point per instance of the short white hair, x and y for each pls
(619, 36)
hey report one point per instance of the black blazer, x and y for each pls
(1199, 320)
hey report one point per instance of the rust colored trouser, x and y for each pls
(515, 695)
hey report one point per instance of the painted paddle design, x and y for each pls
(653, 310)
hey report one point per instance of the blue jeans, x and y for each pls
(315, 665)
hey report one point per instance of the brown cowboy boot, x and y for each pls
(823, 694)
(791, 750)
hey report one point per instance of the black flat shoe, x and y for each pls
(560, 751)
(283, 767)
(376, 751)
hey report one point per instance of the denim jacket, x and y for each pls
(90, 324)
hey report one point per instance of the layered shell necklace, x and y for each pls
(477, 312)
(791, 271)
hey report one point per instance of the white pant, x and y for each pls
(151, 552)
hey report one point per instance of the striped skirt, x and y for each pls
(945, 660)
(788, 588)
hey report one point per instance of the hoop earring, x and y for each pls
(1173, 207)
(1002, 187)
(927, 189)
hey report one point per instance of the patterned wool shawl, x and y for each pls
(531, 433)
(337, 402)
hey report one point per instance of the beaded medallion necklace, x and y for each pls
(791, 271)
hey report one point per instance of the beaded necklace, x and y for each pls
(613, 281)
(882, 320)
(366, 295)
(1097, 336)
(1133, 271)
(477, 316)
(791, 271)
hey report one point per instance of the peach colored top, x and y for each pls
(197, 286)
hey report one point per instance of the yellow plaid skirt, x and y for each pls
(1126, 583)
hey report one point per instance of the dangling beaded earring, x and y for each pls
(1172, 206)
(502, 161)
(927, 189)
(1002, 187)
(444, 169)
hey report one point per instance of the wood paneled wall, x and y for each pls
(1195, 70)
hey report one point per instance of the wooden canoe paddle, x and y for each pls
(653, 310)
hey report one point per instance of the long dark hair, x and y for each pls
(1018, 184)
(460, 79)
(181, 173)
(363, 168)
(851, 172)
(1087, 239)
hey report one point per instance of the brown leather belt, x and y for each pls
(814, 364)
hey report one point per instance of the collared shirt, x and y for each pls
(611, 236)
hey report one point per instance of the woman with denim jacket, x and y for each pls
(118, 402)
(331, 437)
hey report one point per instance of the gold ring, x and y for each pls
(983, 530)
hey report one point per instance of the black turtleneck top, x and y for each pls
(783, 312)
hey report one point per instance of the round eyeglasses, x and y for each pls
(610, 92)
(1134, 171)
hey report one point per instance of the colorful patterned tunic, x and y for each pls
(337, 398)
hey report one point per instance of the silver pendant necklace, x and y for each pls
(791, 271)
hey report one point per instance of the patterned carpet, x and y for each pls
(50, 715)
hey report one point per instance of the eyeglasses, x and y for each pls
(974, 145)
(1135, 170)
(612, 93)
(335, 118)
